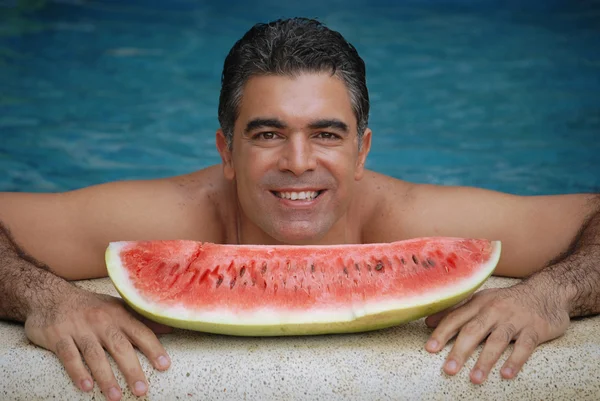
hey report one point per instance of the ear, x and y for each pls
(225, 152)
(359, 172)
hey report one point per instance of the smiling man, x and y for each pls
(293, 141)
(297, 161)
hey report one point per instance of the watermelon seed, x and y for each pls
(263, 270)
(193, 279)
(242, 271)
(368, 267)
(414, 258)
(403, 261)
(431, 262)
(160, 266)
(379, 266)
(346, 271)
(219, 280)
(357, 267)
(174, 269)
(203, 276)
(245, 283)
(312, 268)
(289, 265)
(231, 284)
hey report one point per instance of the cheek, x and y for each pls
(249, 174)
(343, 168)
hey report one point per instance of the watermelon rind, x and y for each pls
(273, 321)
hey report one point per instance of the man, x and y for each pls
(293, 140)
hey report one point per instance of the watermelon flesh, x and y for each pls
(259, 290)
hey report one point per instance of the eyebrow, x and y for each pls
(276, 123)
(264, 122)
(330, 123)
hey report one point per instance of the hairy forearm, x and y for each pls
(25, 283)
(574, 277)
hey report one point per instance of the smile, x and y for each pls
(302, 195)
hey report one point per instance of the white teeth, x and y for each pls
(307, 195)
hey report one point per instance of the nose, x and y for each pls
(298, 156)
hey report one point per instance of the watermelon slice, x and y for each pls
(256, 290)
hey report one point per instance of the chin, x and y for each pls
(299, 235)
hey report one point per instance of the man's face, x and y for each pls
(295, 157)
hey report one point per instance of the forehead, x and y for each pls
(296, 99)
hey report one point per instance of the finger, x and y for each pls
(143, 338)
(432, 321)
(470, 336)
(156, 327)
(524, 346)
(66, 350)
(449, 326)
(494, 346)
(119, 347)
(435, 319)
(96, 359)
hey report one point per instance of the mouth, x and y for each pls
(298, 195)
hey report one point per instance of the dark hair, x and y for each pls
(289, 47)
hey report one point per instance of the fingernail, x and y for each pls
(451, 365)
(140, 387)
(86, 385)
(163, 362)
(113, 393)
(432, 344)
(508, 372)
(478, 375)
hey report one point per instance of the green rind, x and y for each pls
(368, 322)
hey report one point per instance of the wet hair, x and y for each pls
(291, 47)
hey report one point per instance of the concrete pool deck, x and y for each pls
(380, 365)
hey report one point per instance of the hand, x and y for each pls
(521, 313)
(82, 321)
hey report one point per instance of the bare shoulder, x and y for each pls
(69, 231)
(384, 203)
(206, 196)
(533, 229)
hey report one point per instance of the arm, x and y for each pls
(65, 319)
(532, 312)
(574, 276)
(550, 240)
(533, 229)
(69, 231)
(45, 238)
(26, 284)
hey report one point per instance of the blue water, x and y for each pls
(488, 93)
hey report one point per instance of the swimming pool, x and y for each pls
(494, 94)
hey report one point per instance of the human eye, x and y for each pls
(327, 135)
(264, 136)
